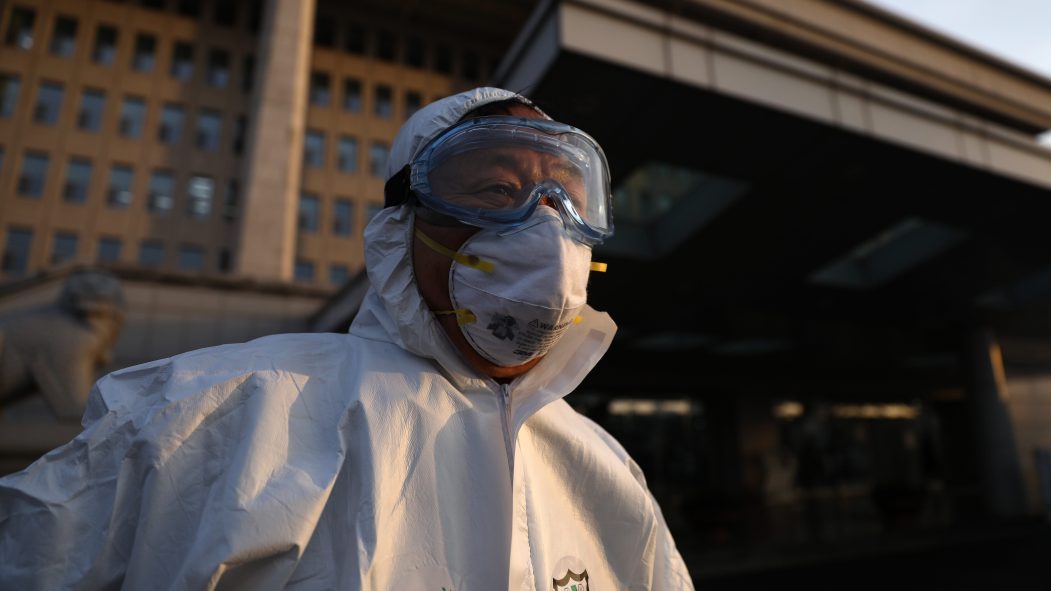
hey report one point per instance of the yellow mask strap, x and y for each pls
(598, 267)
(465, 260)
(463, 315)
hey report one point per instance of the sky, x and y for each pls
(1016, 30)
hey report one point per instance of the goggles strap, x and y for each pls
(465, 260)
(463, 315)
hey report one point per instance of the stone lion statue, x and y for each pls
(56, 349)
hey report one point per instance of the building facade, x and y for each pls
(129, 130)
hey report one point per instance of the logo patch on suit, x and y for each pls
(571, 582)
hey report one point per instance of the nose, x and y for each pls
(545, 200)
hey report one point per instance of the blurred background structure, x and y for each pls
(831, 272)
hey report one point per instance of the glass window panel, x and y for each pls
(387, 46)
(414, 52)
(16, 250)
(352, 95)
(34, 174)
(232, 200)
(105, 50)
(64, 37)
(240, 130)
(443, 59)
(151, 253)
(92, 105)
(320, 94)
(225, 13)
(78, 180)
(343, 217)
(132, 114)
(162, 189)
(20, 28)
(309, 212)
(10, 85)
(144, 56)
(118, 194)
(218, 68)
(384, 106)
(63, 248)
(182, 61)
(314, 149)
(348, 154)
(338, 274)
(378, 152)
(247, 73)
(356, 39)
(48, 103)
(199, 193)
(191, 8)
(209, 130)
(470, 66)
(173, 118)
(191, 257)
(304, 272)
(413, 102)
(324, 30)
(109, 250)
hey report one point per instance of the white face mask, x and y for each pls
(515, 292)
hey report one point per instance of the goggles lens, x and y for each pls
(492, 172)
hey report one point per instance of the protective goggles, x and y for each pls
(491, 172)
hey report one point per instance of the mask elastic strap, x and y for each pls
(465, 260)
(463, 315)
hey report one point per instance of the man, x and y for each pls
(429, 448)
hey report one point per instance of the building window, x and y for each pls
(64, 37)
(413, 102)
(48, 103)
(470, 66)
(387, 46)
(255, 16)
(218, 68)
(190, 8)
(414, 52)
(384, 106)
(338, 274)
(78, 180)
(320, 95)
(199, 192)
(105, 50)
(63, 248)
(314, 149)
(92, 104)
(324, 30)
(182, 61)
(209, 130)
(225, 13)
(443, 59)
(109, 250)
(16, 250)
(348, 154)
(20, 28)
(154, 4)
(145, 53)
(224, 262)
(304, 272)
(309, 212)
(132, 114)
(343, 217)
(34, 174)
(173, 117)
(232, 200)
(162, 188)
(119, 192)
(240, 130)
(356, 41)
(151, 253)
(247, 73)
(10, 86)
(378, 159)
(352, 95)
(191, 257)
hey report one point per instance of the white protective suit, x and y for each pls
(371, 460)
